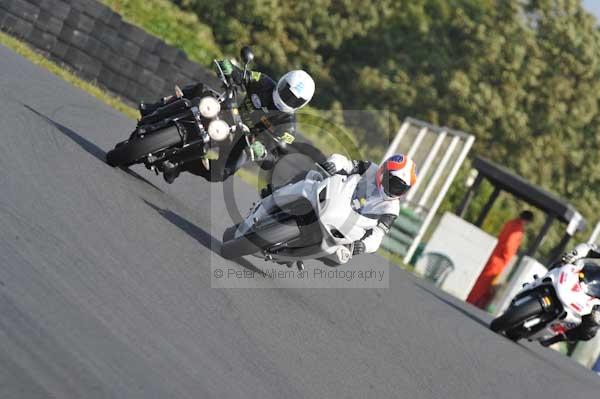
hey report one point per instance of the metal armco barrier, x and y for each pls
(439, 152)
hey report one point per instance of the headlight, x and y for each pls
(209, 107)
(218, 130)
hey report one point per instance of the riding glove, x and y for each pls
(329, 167)
(258, 150)
(359, 248)
(226, 66)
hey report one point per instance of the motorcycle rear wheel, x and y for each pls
(133, 150)
(510, 322)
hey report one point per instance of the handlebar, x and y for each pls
(222, 75)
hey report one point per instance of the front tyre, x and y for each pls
(136, 148)
(509, 322)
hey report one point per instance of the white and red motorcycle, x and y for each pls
(551, 305)
(310, 219)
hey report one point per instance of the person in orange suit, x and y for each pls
(508, 244)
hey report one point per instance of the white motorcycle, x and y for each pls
(545, 309)
(311, 219)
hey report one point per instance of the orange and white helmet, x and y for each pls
(395, 176)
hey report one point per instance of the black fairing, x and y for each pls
(166, 111)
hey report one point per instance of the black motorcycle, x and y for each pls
(185, 130)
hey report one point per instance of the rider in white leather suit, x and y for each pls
(378, 192)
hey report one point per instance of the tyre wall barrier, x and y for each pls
(96, 44)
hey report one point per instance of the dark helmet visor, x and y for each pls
(393, 185)
(289, 98)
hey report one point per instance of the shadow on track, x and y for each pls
(200, 235)
(449, 302)
(87, 145)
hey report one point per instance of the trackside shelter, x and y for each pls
(466, 247)
(556, 209)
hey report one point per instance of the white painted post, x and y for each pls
(426, 165)
(594, 237)
(442, 193)
(439, 170)
(394, 144)
(417, 143)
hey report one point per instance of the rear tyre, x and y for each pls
(133, 150)
(510, 322)
(266, 237)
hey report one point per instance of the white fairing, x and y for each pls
(342, 218)
(340, 162)
(575, 301)
(331, 199)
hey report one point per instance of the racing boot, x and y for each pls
(553, 340)
(265, 192)
(170, 171)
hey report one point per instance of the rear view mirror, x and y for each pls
(246, 54)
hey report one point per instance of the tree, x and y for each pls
(522, 75)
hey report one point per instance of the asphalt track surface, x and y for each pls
(105, 288)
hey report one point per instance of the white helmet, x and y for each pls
(293, 91)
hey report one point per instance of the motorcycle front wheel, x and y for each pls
(136, 148)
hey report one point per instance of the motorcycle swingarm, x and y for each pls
(195, 150)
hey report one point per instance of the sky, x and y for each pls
(593, 6)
